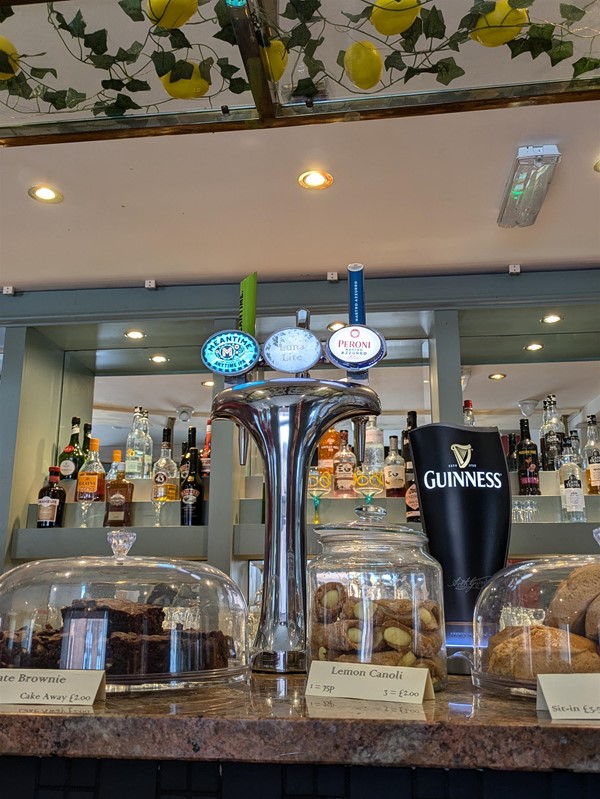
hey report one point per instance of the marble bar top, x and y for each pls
(269, 720)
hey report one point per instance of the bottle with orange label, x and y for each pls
(329, 444)
(90, 481)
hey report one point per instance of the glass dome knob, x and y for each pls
(121, 542)
(370, 513)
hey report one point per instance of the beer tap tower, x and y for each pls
(286, 417)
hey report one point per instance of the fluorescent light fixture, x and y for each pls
(527, 185)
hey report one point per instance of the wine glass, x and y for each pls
(319, 483)
(159, 497)
(368, 481)
(528, 406)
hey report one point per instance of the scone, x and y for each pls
(592, 620)
(572, 598)
(543, 650)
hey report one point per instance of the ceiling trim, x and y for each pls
(276, 299)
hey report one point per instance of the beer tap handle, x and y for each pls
(303, 318)
(360, 426)
(242, 444)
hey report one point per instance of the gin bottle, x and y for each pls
(592, 456)
(571, 486)
(344, 463)
(136, 447)
(468, 415)
(394, 471)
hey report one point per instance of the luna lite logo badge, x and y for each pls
(462, 454)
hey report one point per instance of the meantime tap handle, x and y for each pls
(242, 444)
(360, 426)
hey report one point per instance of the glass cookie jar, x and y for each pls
(539, 616)
(375, 596)
(149, 623)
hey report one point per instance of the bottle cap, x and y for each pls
(54, 469)
(116, 456)
(94, 444)
(468, 404)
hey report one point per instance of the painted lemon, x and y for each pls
(274, 58)
(186, 88)
(10, 51)
(391, 17)
(171, 13)
(500, 26)
(363, 64)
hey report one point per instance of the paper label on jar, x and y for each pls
(569, 696)
(51, 686)
(369, 681)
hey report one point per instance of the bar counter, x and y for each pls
(269, 720)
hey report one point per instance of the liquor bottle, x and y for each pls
(165, 473)
(117, 457)
(148, 445)
(374, 449)
(191, 500)
(411, 496)
(71, 458)
(571, 485)
(206, 451)
(468, 415)
(394, 471)
(90, 481)
(119, 498)
(528, 464)
(511, 458)
(576, 447)
(592, 456)
(344, 463)
(329, 444)
(136, 447)
(184, 466)
(51, 501)
(553, 433)
(87, 434)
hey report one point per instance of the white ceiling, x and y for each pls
(411, 196)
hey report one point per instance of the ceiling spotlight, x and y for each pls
(315, 179)
(597, 165)
(208, 383)
(159, 359)
(527, 185)
(45, 194)
(497, 376)
(534, 347)
(551, 319)
(333, 326)
(134, 334)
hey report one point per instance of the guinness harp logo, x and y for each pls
(462, 453)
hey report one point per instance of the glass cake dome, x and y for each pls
(149, 622)
(539, 616)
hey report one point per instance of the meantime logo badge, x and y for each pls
(230, 352)
(355, 347)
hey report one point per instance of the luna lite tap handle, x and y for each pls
(242, 445)
(360, 428)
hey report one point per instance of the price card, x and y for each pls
(368, 681)
(326, 708)
(569, 696)
(51, 686)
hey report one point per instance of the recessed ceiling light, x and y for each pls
(135, 334)
(534, 347)
(597, 165)
(208, 383)
(45, 194)
(551, 319)
(333, 326)
(159, 359)
(315, 179)
(497, 376)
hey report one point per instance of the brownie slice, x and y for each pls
(123, 616)
(132, 654)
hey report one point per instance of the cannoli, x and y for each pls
(400, 637)
(402, 610)
(329, 599)
(434, 664)
(344, 636)
(429, 615)
(389, 658)
(362, 609)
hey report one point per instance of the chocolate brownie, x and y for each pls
(123, 616)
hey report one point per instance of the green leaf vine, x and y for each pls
(124, 72)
